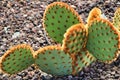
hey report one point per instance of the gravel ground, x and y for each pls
(21, 22)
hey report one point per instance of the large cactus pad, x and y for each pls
(58, 17)
(103, 40)
(116, 19)
(52, 60)
(75, 39)
(17, 59)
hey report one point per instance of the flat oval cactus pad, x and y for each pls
(116, 19)
(75, 39)
(103, 40)
(94, 13)
(52, 60)
(58, 17)
(83, 59)
(17, 59)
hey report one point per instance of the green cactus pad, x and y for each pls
(17, 59)
(94, 13)
(52, 60)
(75, 39)
(116, 19)
(58, 17)
(103, 40)
(83, 59)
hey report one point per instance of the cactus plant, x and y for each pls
(116, 19)
(58, 17)
(80, 44)
(103, 40)
(57, 60)
(17, 59)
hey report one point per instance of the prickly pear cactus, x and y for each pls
(17, 59)
(58, 17)
(53, 60)
(75, 39)
(116, 19)
(68, 59)
(103, 40)
(80, 44)
(94, 13)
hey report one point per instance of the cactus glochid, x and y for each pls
(80, 44)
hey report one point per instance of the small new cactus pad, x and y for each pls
(58, 17)
(116, 19)
(17, 59)
(75, 39)
(83, 59)
(94, 13)
(103, 40)
(52, 60)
